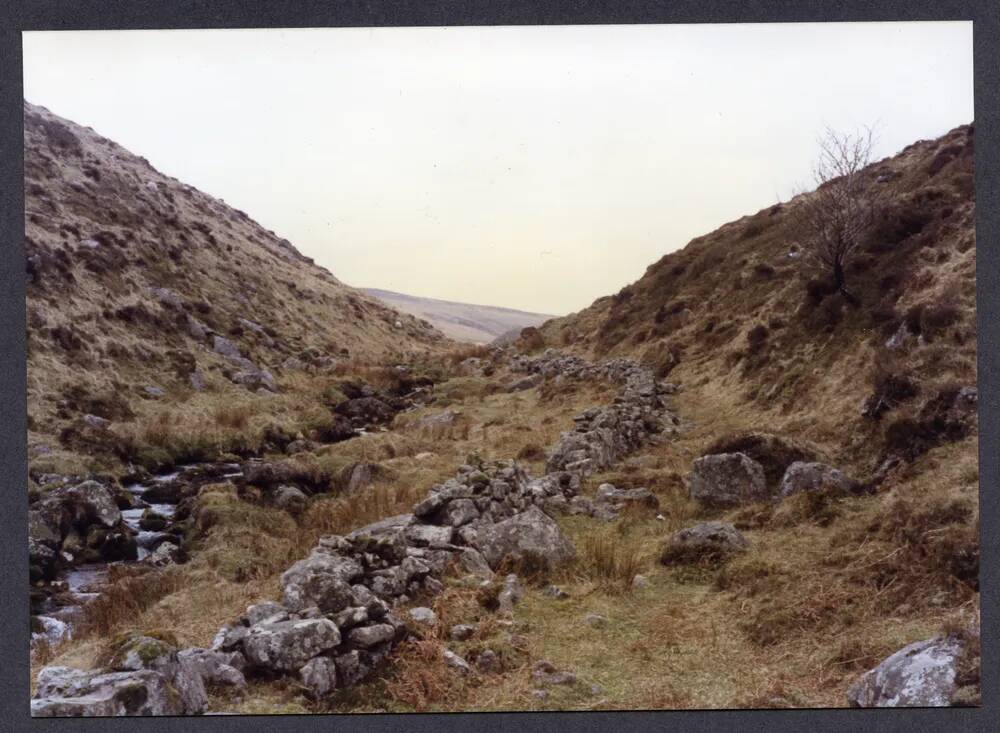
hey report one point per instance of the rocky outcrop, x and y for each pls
(727, 480)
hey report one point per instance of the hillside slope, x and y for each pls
(478, 324)
(142, 288)
(742, 320)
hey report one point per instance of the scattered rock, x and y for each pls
(525, 383)
(291, 499)
(545, 673)
(727, 480)
(488, 662)
(423, 616)
(595, 621)
(710, 542)
(815, 477)
(510, 594)
(462, 632)
(456, 662)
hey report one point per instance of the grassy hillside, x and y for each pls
(132, 275)
(749, 327)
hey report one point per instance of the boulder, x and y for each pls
(166, 553)
(266, 611)
(609, 494)
(423, 616)
(225, 347)
(369, 636)
(524, 383)
(290, 498)
(90, 503)
(472, 561)
(919, 675)
(66, 692)
(322, 580)
(711, 542)
(359, 476)
(319, 676)
(456, 662)
(462, 632)
(286, 646)
(727, 480)
(510, 594)
(801, 476)
(219, 668)
(531, 533)
(459, 511)
(429, 535)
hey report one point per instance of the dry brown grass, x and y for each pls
(611, 558)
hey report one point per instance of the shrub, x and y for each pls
(763, 270)
(817, 289)
(891, 386)
(757, 337)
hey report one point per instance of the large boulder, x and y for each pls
(727, 480)
(530, 534)
(922, 674)
(802, 476)
(286, 646)
(710, 542)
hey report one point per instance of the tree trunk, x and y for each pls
(840, 282)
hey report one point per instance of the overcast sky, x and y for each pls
(531, 167)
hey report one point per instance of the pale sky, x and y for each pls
(530, 167)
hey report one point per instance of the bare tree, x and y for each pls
(844, 205)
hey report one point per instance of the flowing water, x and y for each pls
(75, 587)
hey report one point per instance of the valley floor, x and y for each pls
(827, 590)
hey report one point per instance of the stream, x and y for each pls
(74, 588)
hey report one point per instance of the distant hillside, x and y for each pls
(143, 288)
(462, 321)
